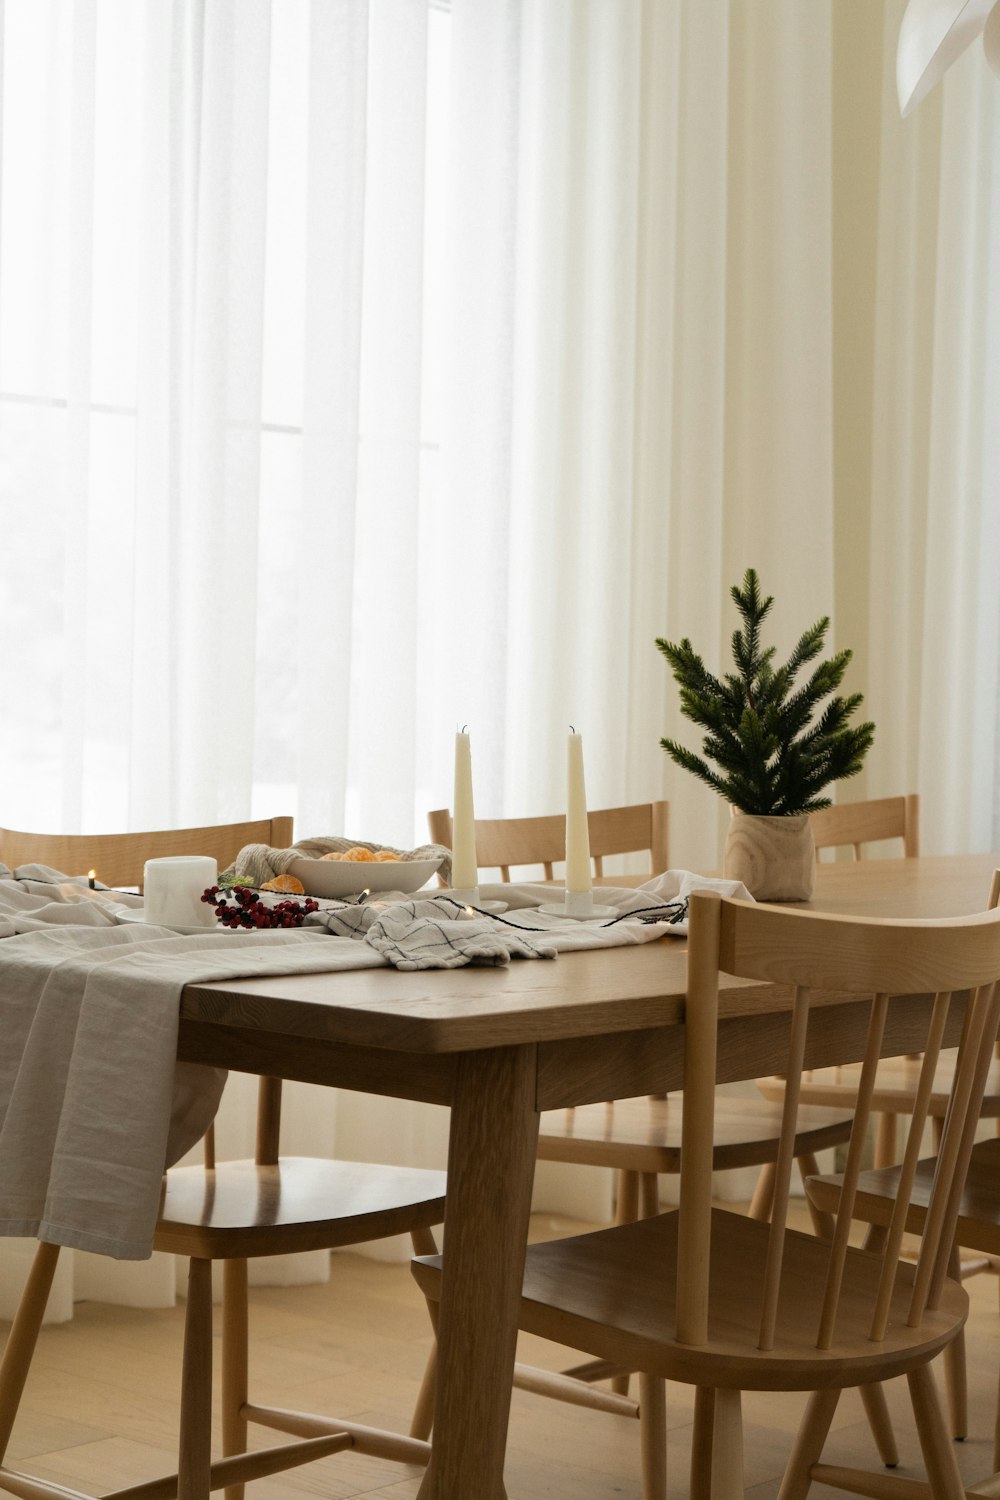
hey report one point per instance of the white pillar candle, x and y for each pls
(172, 889)
(578, 876)
(464, 871)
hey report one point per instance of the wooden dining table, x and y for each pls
(498, 1046)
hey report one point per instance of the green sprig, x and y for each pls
(768, 756)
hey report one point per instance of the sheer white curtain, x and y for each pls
(366, 368)
(935, 530)
(659, 301)
(384, 389)
(369, 367)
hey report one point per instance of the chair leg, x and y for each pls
(822, 1221)
(653, 1436)
(877, 1411)
(626, 1212)
(885, 1140)
(996, 1434)
(627, 1198)
(423, 1412)
(875, 1238)
(939, 1454)
(727, 1446)
(763, 1194)
(194, 1480)
(649, 1195)
(701, 1443)
(235, 1358)
(23, 1337)
(955, 1379)
(809, 1442)
(956, 1388)
(422, 1421)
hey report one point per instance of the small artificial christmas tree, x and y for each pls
(772, 760)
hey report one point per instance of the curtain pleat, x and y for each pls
(324, 518)
(935, 529)
(220, 443)
(78, 512)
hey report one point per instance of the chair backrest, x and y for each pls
(858, 823)
(506, 842)
(118, 858)
(915, 970)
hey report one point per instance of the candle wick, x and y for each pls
(572, 730)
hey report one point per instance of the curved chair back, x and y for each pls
(506, 842)
(118, 858)
(858, 823)
(931, 983)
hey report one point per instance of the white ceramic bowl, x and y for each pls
(342, 877)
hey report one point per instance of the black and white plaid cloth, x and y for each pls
(433, 934)
(440, 932)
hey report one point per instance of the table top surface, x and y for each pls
(578, 994)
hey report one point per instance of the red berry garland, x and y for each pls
(250, 911)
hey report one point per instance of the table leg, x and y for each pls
(491, 1165)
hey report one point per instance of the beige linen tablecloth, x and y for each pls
(93, 1104)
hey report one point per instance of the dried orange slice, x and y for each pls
(287, 884)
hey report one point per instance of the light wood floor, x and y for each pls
(101, 1407)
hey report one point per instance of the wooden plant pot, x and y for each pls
(774, 857)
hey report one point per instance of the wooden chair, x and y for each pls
(506, 842)
(856, 824)
(898, 1077)
(233, 1211)
(978, 1217)
(118, 858)
(724, 1302)
(641, 1138)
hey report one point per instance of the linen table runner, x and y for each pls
(93, 1104)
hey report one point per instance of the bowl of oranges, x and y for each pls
(351, 871)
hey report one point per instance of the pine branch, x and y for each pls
(693, 763)
(772, 758)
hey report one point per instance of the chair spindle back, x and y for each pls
(935, 979)
(855, 824)
(503, 843)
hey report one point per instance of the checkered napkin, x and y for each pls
(433, 935)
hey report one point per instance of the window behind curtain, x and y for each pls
(89, 195)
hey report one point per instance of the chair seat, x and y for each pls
(612, 1293)
(895, 1086)
(644, 1134)
(978, 1215)
(242, 1210)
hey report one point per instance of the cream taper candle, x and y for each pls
(578, 877)
(464, 871)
